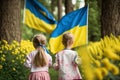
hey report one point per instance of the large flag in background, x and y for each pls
(37, 16)
(74, 22)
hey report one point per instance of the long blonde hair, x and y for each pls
(40, 58)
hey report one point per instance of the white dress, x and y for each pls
(65, 63)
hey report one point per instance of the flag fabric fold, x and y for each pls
(38, 17)
(74, 22)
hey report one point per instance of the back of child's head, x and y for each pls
(67, 39)
(40, 58)
(39, 39)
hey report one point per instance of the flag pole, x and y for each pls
(87, 23)
(82, 4)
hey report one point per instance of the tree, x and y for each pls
(110, 17)
(53, 4)
(59, 9)
(94, 25)
(10, 20)
(68, 6)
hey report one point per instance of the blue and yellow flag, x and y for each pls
(37, 16)
(74, 22)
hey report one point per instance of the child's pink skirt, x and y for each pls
(39, 76)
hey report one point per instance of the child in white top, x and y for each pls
(66, 60)
(39, 60)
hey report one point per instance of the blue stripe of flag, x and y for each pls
(36, 8)
(71, 20)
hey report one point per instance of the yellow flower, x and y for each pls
(97, 63)
(1, 66)
(13, 53)
(23, 60)
(16, 51)
(3, 55)
(98, 74)
(114, 69)
(15, 43)
(13, 46)
(6, 47)
(22, 55)
(2, 47)
(104, 71)
(10, 48)
(4, 41)
(108, 52)
(0, 51)
(3, 59)
(23, 51)
(106, 63)
(17, 58)
(14, 69)
(13, 61)
(117, 48)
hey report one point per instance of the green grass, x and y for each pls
(53, 74)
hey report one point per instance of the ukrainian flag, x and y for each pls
(74, 22)
(37, 16)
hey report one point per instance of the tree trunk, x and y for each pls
(53, 4)
(22, 4)
(68, 6)
(10, 20)
(110, 17)
(59, 9)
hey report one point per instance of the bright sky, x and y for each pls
(74, 1)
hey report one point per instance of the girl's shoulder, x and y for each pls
(72, 52)
(48, 55)
(60, 52)
(32, 53)
(67, 51)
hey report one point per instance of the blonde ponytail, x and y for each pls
(40, 58)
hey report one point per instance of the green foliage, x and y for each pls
(94, 29)
(47, 4)
(27, 33)
(53, 74)
(11, 61)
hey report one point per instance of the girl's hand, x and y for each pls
(55, 66)
(78, 60)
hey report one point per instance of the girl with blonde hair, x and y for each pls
(67, 60)
(39, 60)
